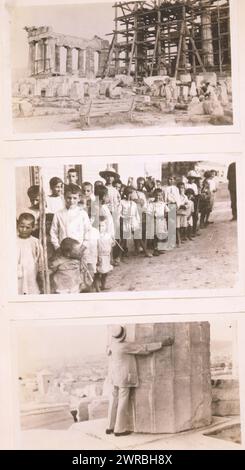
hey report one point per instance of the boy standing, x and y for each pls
(89, 198)
(29, 256)
(72, 221)
(172, 195)
(73, 176)
(110, 175)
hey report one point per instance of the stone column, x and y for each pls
(51, 49)
(57, 58)
(69, 60)
(89, 67)
(81, 62)
(103, 56)
(40, 57)
(45, 54)
(207, 44)
(32, 56)
(174, 392)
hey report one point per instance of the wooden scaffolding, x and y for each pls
(164, 37)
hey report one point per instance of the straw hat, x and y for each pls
(193, 174)
(110, 171)
(118, 333)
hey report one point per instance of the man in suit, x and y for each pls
(124, 377)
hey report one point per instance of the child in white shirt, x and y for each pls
(181, 218)
(29, 257)
(190, 212)
(159, 210)
(72, 221)
(105, 243)
(104, 210)
(55, 201)
(172, 192)
(129, 219)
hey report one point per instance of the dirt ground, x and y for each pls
(70, 122)
(209, 261)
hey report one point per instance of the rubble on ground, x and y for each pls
(193, 99)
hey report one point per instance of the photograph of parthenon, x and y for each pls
(125, 65)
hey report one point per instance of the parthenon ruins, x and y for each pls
(153, 37)
(173, 56)
(47, 49)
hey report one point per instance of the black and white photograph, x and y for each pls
(125, 66)
(128, 386)
(122, 166)
(148, 224)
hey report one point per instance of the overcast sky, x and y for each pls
(49, 345)
(83, 21)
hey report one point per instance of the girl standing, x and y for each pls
(159, 210)
(105, 244)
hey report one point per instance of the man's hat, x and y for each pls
(193, 174)
(118, 333)
(110, 171)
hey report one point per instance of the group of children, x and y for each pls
(89, 228)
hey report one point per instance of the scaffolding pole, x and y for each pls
(43, 235)
(148, 32)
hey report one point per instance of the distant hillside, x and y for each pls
(221, 351)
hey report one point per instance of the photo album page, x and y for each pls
(122, 166)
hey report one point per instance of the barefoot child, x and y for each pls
(29, 256)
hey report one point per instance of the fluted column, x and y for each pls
(81, 62)
(32, 56)
(89, 69)
(40, 56)
(57, 58)
(207, 43)
(69, 60)
(103, 56)
(52, 55)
